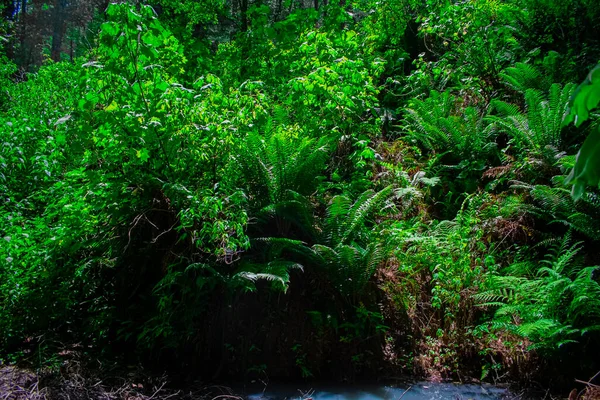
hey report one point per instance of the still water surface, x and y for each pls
(416, 391)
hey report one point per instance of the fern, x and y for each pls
(348, 267)
(522, 77)
(552, 305)
(276, 272)
(346, 254)
(360, 211)
(539, 128)
(433, 124)
(279, 173)
(556, 205)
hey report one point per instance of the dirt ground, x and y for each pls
(21, 384)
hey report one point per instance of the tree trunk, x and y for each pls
(244, 15)
(244, 49)
(22, 47)
(58, 29)
(278, 9)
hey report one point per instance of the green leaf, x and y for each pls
(585, 98)
(150, 39)
(143, 154)
(587, 166)
(61, 139)
(110, 29)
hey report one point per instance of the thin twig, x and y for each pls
(594, 377)
(587, 383)
(171, 395)
(406, 391)
(167, 231)
(159, 389)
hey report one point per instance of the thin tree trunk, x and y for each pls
(244, 15)
(244, 50)
(59, 29)
(22, 49)
(278, 9)
(8, 15)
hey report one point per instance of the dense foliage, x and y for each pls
(333, 189)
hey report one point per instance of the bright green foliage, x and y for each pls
(584, 100)
(472, 42)
(280, 174)
(552, 303)
(450, 253)
(345, 252)
(441, 264)
(209, 174)
(586, 170)
(153, 129)
(464, 144)
(537, 132)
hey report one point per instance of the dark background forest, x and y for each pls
(321, 189)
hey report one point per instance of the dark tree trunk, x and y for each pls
(20, 54)
(244, 50)
(8, 15)
(244, 15)
(278, 9)
(58, 29)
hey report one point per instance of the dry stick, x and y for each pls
(159, 389)
(167, 231)
(587, 383)
(406, 391)
(171, 395)
(594, 377)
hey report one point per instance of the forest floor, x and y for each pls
(71, 384)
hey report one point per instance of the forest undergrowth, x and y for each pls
(331, 190)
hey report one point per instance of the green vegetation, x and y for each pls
(338, 189)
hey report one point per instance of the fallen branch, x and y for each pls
(406, 391)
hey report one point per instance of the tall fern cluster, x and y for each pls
(552, 302)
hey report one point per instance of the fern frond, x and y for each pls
(537, 129)
(521, 77)
(360, 211)
(552, 306)
(431, 124)
(276, 272)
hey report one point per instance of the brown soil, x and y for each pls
(68, 384)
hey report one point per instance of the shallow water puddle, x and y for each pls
(417, 391)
